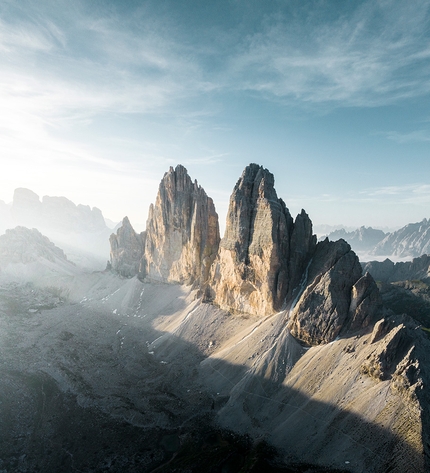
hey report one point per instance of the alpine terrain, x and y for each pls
(261, 351)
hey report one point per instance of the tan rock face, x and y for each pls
(127, 249)
(182, 232)
(263, 252)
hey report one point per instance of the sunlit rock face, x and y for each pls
(182, 231)
(263, 252)
(336, 297)
(127, 248)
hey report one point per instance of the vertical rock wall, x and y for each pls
(263, 251)
(182, 231)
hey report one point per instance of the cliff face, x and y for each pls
(265, 263)
(335, 296)
(182, 231)
(264, 252)
(127, 249)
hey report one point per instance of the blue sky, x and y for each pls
(98, 99)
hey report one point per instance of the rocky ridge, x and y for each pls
(266, 262)
(362, 239)
(412, 240)
(23, 245)
(79, 230)
(388, 271)
(55, 212)
(336, 298)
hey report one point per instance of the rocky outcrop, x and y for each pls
(127, 249)
(263, 252)
(57, 213)
(267, 262)
(336, 297)
(182, 231)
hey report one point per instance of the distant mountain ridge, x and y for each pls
(26, 254)
(80, 230)
(362, 239)
(410, 241)
(55, 212)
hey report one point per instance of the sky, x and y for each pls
(99, 98)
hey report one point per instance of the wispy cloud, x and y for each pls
(418, 193)
(373, 56)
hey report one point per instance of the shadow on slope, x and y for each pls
(81, 391)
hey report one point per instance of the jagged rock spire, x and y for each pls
(252, 272)
(182, 231)
(127, 249)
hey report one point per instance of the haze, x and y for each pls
(98, 99)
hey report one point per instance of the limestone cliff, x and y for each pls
(127, 249)
(263, 252)
(182, 232)
(267, 262)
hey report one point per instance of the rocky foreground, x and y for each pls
(196, 352)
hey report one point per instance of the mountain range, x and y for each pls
(263, 350)
(410, 241)
(79, 230)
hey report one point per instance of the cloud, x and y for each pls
(372, 55)
(415, 194)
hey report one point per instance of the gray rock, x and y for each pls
(127, 249)
(336, 298)
(182, 231)
(387, 271)
(24, 245)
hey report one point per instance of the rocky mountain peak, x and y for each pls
(336, 298)
(262, 248)
(127, 249)
(182, 233)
